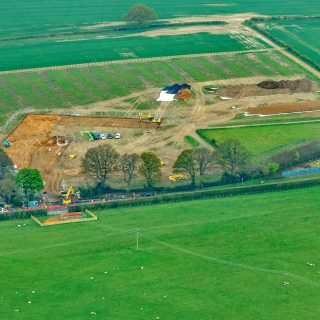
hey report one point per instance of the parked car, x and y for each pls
(118, 135)
(96, 136)
(110, 136)
(102, 136)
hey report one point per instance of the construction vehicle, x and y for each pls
(6, 144)
(68, 196)
(149, 118)
(176, 177)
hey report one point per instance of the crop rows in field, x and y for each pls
(51, 16)
(16, 55)
(302, 35)
(80, 86)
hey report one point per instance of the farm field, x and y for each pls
(27, 18)
(17, 55)
(267, 139)
(58, 89)
(301, 35)
(260, 261)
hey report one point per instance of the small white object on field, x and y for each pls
(16, 310)
(106, 272)
(18, 225)
(93, 313)
(92, 278)
(141, 308)
(29, 302)
(17, 292)
(33, 292)
(141, 268)
(164, 297)
(286, 283)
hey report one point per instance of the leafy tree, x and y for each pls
(273, 167)
(5, 163)
(128, 164)
(187, 163)
(204, 158)
(140, 14)
(233, 156)
(99, 162)
(30, 180)
(150, 167)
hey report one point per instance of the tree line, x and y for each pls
(100, 162)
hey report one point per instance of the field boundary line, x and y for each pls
(234, 264)
(218, 260)
(262, 124)
(126, 61)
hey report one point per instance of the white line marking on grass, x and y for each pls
(234, 264)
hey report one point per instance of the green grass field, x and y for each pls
(301, 35)
(193, 142)
(269, 139)
(212, 259)
(52, 16)
(65, 88)
(17, 55)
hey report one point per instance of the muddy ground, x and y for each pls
(34, 143)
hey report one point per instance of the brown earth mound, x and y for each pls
(268, 88)
(184, 94)
(279, 108)
(300, 85)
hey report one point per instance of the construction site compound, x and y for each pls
(56, 142)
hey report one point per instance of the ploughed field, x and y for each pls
(197, 260)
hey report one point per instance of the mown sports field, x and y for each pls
(247, 258)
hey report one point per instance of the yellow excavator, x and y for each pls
(67, 196)
(149, 118)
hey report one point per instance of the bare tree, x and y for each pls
(186, 163)
(5, 163)
(8, 188)
(128, 164)
(99, 162)
(150, 167)
(234, 157)
(204, 158)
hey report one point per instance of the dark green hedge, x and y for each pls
(201, 194)
(23, 214)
